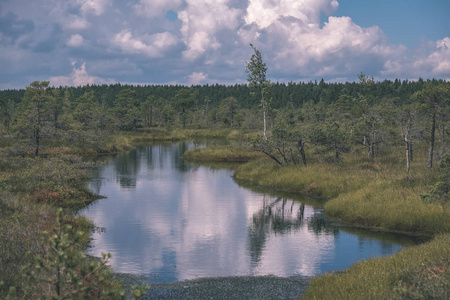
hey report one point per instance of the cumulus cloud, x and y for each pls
(335, 48)
(97, 7)
(149, 45)
(202, 19)
(79, 77)
(197, 78)
(75, 41)
(439, 59)
(432, 61)
(208, 37)
(266, 12)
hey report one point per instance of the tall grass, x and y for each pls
(420, 272)
(361, 191)
(315, 180)
(222, 153)
(30, 191)
(396, 208)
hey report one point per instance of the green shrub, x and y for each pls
(64, 272)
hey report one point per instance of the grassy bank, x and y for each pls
(379, 194)
(360, 192)
(223, 154)
(40, 258)
(421, 272)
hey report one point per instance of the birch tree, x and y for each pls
(256, 70)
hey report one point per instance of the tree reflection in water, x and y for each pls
(279, 217)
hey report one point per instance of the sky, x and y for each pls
(189, 42)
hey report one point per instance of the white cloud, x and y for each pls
(197, 78)
(75, 40)
(209, 37)
(266, 12)
(202, 19)
(434, 61)
(79, 77)
(297, 43)
(439, 60)
(149, 45)
(153, 8)
(97, 7)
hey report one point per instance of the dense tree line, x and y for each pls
(332, 116)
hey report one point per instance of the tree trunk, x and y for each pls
(37, 132)
(301, 147)
(442, 141)
(36, 150)
(336, 151)
(150, 119)
(431, 150)
(407, 146)
(264, 116)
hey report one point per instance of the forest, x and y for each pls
(336, 116)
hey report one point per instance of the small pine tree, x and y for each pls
(64, 271)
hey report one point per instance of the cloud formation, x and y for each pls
(79, 77)
(149, 45)
(75, 40)
(176, 40)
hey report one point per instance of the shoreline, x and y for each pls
(230, 287)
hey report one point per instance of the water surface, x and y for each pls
(171, 220)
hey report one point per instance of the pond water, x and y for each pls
(171, 221)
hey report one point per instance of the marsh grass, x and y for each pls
(419, 272)
(31, 189)
(222, 153)
(361, 191)
(315, 180)
(373, 193)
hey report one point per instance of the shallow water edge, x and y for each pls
(234, 287)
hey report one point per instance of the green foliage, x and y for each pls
(332, 138)
(7, 112)
(35, 112)
(440, 192)
(228, 111)
(64, 272)
(183, 101)
(256, 70)
(284, 146)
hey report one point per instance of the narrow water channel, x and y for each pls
(171, 221)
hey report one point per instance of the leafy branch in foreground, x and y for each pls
(64, 271)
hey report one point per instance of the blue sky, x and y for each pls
(207, 41)
(407, 22)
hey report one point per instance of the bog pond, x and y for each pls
(172, 220)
